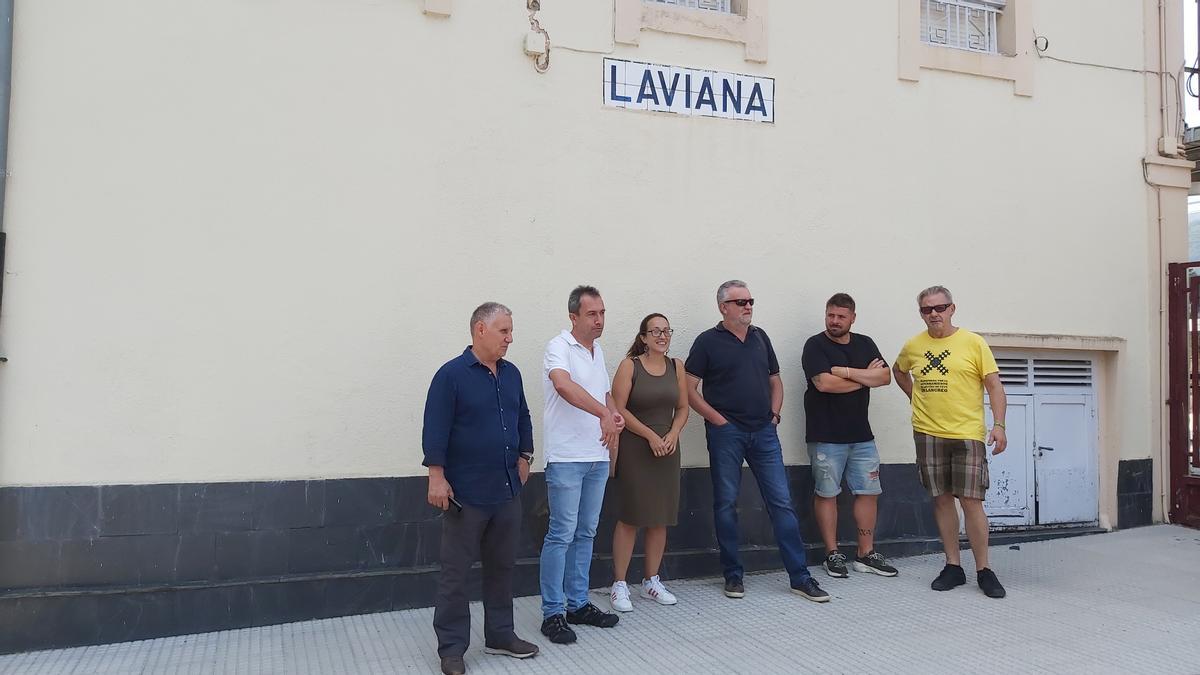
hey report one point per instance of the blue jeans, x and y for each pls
(576, 492)
(858, 462)
(728, 446)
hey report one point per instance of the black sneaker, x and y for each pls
(809, 589)
(989, 584)
(734, 588)
(835, 565)
(557, 630)
(875, 563)
(591, 615)
(951, 576)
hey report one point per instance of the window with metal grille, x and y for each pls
(1062, 373)
(711, 5)
(1022, 374)
(961, 25)
(1014, 372)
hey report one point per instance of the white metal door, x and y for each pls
(1065, 458)
(1010, 498)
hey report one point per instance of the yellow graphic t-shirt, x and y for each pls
(947, 397)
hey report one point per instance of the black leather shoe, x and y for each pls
(989, 584)
(811, 590)
(516, 648)
(453, 665)
(951, 576)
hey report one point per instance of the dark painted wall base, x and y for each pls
(99, 564)
(1135, 493)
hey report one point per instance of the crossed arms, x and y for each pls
(843, 380)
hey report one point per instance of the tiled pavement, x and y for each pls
(1126, 602)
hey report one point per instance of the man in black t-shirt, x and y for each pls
(841, 367)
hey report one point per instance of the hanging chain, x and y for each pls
(541, 63)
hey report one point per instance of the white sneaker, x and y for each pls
(620, 597)
(653, 589)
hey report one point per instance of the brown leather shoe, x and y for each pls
(453, 665)
(516, 648)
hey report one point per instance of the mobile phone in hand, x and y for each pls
(457, 506)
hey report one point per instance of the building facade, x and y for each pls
(241, 237)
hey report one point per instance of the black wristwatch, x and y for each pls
(775, 416)
(528, 457)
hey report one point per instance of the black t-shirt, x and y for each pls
(736, 374)
(837, 418)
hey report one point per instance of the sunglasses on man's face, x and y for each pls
(940, 309)
(742, 302)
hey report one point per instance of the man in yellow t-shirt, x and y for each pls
(944, 371)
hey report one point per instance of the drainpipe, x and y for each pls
(6, 53)
(1163, 105)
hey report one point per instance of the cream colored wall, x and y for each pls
(242, 236)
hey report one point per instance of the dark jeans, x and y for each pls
(727, 447)
(470, 535)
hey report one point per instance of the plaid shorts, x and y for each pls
(951, 465)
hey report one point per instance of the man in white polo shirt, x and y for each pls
(582, 424)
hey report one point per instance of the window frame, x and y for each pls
(732, 5)
(437, 7)
(1013, 63)
(748, 27)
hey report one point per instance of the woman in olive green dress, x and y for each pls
(649, 390)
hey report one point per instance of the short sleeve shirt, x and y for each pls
(571, 434)
(736, 374)
(837, 418)
(947, 397)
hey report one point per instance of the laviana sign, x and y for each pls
(688, 91)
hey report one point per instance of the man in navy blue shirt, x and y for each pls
(478, 442)
(740, 404)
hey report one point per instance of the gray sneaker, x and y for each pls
(875, 563)
(835, 565)
(734, 588)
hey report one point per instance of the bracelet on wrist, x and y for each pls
(999, 424)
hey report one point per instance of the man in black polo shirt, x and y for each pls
(743, 394)
(478, 442)
(841, 367)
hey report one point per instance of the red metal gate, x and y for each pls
(1183, 345)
